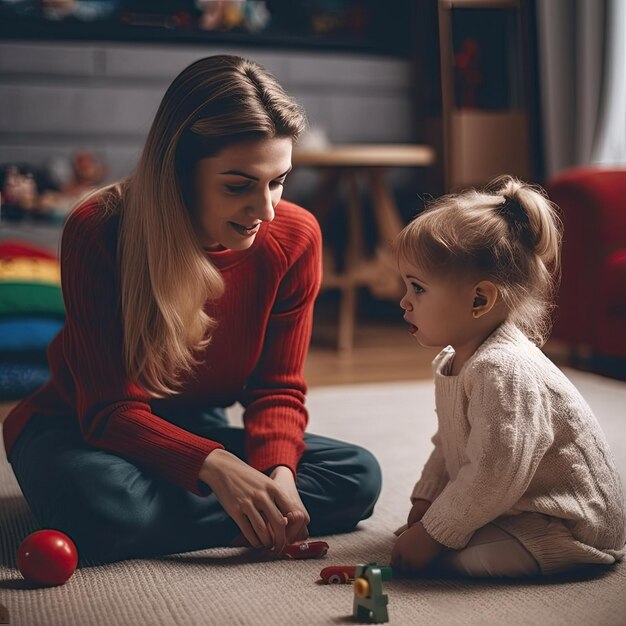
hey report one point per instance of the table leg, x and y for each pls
(348, 302)
(327, 194)
(386, 211)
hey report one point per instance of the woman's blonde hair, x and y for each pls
(508, 233)
(165, 276)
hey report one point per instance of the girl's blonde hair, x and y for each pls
(165, 276)
(508, 233)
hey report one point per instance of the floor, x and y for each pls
(223, 586)
(383, 352)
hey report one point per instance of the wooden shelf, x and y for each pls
(75, 30)
(487, 126)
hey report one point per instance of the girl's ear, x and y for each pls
(485, 298)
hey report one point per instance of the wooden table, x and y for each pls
(342, 165)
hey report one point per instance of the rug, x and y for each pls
(227, 586)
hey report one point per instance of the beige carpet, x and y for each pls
(225, 587)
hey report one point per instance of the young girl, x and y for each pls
(521, 480)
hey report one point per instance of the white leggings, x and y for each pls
(491, 552)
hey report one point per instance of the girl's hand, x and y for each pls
(297, 516)
(417, 511)
(252, 499)
(414, 550)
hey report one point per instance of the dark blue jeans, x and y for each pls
(114, 509)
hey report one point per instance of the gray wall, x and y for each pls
(59, 97)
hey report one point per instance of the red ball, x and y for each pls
(47, 557)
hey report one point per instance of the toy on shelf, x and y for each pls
(370, 603)
(248, 15)
(73, 178)
(48, 192)
(338, 574)
(467, 72)
(19, 192)
(305, 550)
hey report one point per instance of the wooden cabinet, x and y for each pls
(486, 104)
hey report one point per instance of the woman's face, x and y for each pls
(238, 189)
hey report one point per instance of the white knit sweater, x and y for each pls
(518, 446)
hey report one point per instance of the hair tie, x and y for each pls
(517, 218)
(512, 210)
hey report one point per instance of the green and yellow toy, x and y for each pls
(370, 603)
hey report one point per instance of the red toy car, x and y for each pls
(337, 574)
(306, 550)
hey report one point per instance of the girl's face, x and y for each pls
(438, 310)
(238, 189)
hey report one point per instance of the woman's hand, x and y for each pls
(417, 511)
(297, 515)
(414, 550)
(257, 503)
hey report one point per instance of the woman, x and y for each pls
(188, 287)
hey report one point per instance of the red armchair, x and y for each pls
(591, 301)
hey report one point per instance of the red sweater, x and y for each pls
(255, 358)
